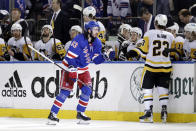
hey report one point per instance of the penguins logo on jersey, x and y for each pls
(135, 82)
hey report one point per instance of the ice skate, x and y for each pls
(83, 119)
(164, 114)
(52, 119)
(147, 117)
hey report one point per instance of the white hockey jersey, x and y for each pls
(20, 46)
(155, 42)
(48, 49)
(190, 49)
(119, 8)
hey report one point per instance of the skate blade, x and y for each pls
(50, 122)
(82, 122)
(164, 120)
(146, 121)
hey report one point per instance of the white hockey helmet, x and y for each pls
(124, 26)
(16, 26)
(77, 28)
(49, 27)
(190, 27)
(174, 27)
(89, 10)
(161, 19)
(137, 30)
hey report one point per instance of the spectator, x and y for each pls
(186, 17)
(119, 9)
(97, 4)
(50, 47)
(73, 32)
(18, 45)
(15, 18)
(147, 20)
(59, 22)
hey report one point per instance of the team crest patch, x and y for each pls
(74, 44)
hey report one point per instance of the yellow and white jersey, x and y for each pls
(48, 49)
(2, 47)
(191, 49)
(152, 49)
(179, 42)
(102, 32)
(20, 46)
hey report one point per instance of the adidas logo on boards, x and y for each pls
(14, 87)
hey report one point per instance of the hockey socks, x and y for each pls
(84, 98)
(60, 99)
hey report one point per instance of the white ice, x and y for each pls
(35, 124)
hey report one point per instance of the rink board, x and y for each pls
(29, 89)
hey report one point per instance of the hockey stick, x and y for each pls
(61, 68)
(25, 36)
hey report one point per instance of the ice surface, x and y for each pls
(35, 124)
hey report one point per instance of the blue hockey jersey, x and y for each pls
(81, 53)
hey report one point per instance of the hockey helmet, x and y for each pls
(91, 24)
(174, 27)
(137, 30)
(190, 27)
(77, 28)
(90, 10)
(124, 26)
(161, 19)
(16, 26)
(49, 27)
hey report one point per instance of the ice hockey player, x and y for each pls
(157, 68)
(84, 48)
(190, 42)
(4, 56)
(18, 45)
(50, 47)
(89, 14)
(74, 31)
(179, 42)
(123, 41)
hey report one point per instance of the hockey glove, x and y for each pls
(73, 73)
(110, 54)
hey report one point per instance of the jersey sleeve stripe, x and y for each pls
(71, 55)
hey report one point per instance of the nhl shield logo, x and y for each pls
(135, 84)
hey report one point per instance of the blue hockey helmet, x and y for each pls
(91, 24)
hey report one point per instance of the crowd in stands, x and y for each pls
(56, 23)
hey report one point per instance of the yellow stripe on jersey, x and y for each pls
(149, 96)
(163, 95)
(153, 62)
(193, 51)
(158, 70)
